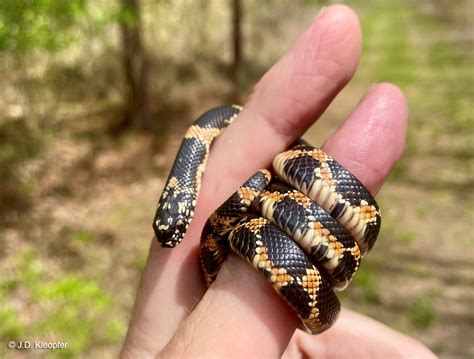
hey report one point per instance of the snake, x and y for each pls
(305, 224)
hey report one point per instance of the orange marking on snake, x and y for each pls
(319, 155)
(205, 135)
(247, 195)
(299, 198)
(368, 213)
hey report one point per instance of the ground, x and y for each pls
(71, 255)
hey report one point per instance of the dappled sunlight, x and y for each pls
(80, 176)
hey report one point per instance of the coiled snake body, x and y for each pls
(305, 229)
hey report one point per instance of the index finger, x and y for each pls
(284, 104)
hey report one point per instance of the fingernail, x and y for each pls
(321, 12)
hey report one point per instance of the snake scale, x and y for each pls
(305, 228)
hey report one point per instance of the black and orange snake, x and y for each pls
(305, 228)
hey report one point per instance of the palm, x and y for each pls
(240, 315)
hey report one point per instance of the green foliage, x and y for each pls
(46, 24)
(419, 270)
(367, 281)
(126, 16)
(436, 75)
(141, 260)
(11, 327)
(71, 308)
(407, 237)
(115, 329)
(404, 43)
(396, 59)
(73, 303)
(421, 212)
(422, 313)
(82, 237)
(398, 171)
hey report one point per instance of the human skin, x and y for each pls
(241, 315)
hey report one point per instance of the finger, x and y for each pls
(380, 121)
(295, 91)
(239, 298)
(371, 340)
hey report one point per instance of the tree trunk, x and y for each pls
(236, 39)
(136, 110)
(204, 10)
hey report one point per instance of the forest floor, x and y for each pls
(71, 257)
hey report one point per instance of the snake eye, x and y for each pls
(181, 227)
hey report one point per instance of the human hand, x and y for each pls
(240, 315)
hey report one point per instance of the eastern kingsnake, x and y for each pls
(305, 230)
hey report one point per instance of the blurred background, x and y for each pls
(95, 96)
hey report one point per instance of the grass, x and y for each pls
(421, 312)
(363, 293)
(42, 297)
(420, 212)
(407, 237)
(419, 270)
(366, 280)
(140, 261)
(82, 237)
(68, 307)
(436, 75)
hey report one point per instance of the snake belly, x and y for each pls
(305, 230)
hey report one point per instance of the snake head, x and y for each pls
(172, 218)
